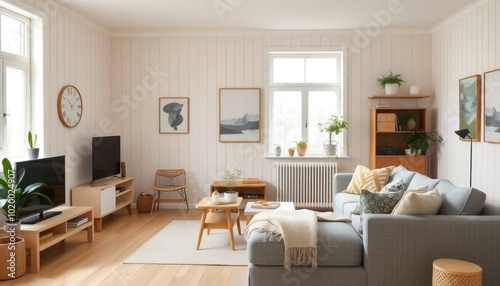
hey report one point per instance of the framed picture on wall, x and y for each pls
(492, 106)
(470, 105)
(174, 115)
(239, 115)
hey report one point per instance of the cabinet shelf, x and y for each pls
(397, 96)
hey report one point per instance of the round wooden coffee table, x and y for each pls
(453, 272)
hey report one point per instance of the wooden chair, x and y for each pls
(169, 181)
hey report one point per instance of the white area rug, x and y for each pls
(176, 244)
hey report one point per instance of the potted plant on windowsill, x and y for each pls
(334, 125)
(301, 147)
(391, 83)
(291, 151)
(230, 177)
(12, 199)
(33, 152)
(419, 142)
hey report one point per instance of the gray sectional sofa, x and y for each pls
(392, 249)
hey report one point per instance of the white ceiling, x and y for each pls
(209, 15)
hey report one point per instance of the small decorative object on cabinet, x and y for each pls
(386, 133)
(301, 147)
(230, 177)
(409, 120)
(32, 150)
(391, 83)
(334, 125)
(115, 194)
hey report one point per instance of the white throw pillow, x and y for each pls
(419, 202)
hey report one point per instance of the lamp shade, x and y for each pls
(462, 133)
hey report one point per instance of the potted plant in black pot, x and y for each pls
(32, 150)
(419, 142)
(230, 177)
(391, 83)
(334, 125)
(12, 199)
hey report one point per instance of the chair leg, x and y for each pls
(186, 198)
(153, 203)
(158, 201)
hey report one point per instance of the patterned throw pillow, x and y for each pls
(367, 179)
(392, 187)
(377, 203)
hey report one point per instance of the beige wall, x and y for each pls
(465, 45)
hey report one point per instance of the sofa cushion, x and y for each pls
(392, 187)
(401, 173)
(418, 202)
(377, 203)
(460, 200)
(338, 245)
(367, 179)
(342, 199)
(420, 180)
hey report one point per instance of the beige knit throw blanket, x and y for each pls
(299, 230)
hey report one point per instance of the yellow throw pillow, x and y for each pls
(370, 180)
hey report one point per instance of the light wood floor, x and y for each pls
(76, 262)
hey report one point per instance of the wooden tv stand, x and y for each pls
(106, 196)
(58, 226)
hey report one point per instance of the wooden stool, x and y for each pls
(453, 272)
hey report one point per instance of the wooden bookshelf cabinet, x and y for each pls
(58, 227)
(250, 192)
(106, 197)
(384, 134)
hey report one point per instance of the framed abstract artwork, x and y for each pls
(492, 106)
(174, 115)
(470, 106)
(239, 115)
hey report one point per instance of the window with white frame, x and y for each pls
(14, 83)
(306, 88)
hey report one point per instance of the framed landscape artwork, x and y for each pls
(239, 115)
(470, 105)
(492, 106)
(174, 115)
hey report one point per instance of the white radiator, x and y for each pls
(307, 184)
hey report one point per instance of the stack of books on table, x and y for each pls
(45, 235)
(265, 205)
(77, 221)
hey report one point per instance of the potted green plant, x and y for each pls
(291, 151)
(391, 83)
(409, 120)
(230, 177)
(32, 150)
(334, 125)
(419, 142)
(301, 147)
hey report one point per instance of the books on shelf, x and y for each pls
(265, 205)
(77, 221)
(44, 236)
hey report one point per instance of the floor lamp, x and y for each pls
(465, 133)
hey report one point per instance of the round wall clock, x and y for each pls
(69, 106)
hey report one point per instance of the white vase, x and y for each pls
(391, 89)
(277, 151)
(414, 90)
(230, 196)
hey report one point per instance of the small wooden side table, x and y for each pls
(454, 272)
(212, 218)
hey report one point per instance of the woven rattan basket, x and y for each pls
(15, 267)
(144, 203)
(453, 272)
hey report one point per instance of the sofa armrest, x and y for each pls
(341, 181)
(399, 249)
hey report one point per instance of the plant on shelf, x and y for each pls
(291, 150)
(13, 198)
(334, 125)
(230, 177)
(409, 120)
(391, 82)
(301, 147)
(419, 142)
(32, 150)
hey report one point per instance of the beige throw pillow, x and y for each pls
(367, 179)
(419, 202)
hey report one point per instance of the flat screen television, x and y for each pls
(50, 171)
(105, 157)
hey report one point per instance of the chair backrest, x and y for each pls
(170, 178)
